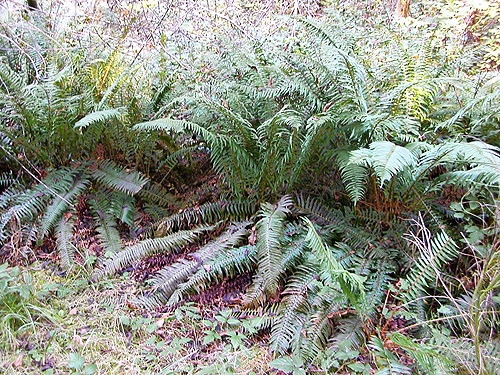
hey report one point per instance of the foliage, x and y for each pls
(52, 205)
(389, 136)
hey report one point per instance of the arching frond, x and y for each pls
(332, 270)
(208, 213)
(118, 178)
(62, 202)
(106, 225)
(293, 309)
(99, 116)
(167, 279)
(154, 193)
(435, 251)
(66, 249)
(148, 247)
(227, 264)
(269, 232)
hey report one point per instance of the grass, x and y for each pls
(75, 327)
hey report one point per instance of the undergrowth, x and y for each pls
(341, 206)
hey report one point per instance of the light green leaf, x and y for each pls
(76, 361)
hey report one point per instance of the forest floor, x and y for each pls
(85, 328)
(74, 326)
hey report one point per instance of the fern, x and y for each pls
(106, 225)
(167, 279)
(269, 231)
(99, 116)
(351, 284)
(226, 264)
(148, 247)
(119, 179)
(7, 179)
(208, 213)
(66, 249)
(155, 193)
(61, 203)
(387, 362)
(435, 251)
(427, 358)
(318, 330)
(293, 309)
(348, 333)
(386, 158)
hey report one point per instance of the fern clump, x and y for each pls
(51, 205)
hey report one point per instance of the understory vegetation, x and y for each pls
(288, 189)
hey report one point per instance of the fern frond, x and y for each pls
(353, 176)
(61, 203)
(348, 333)
(428, 359)
(118, 178)
(269, 232)
(66, 249)
(148, 247)
(228, 264)
(317, 211)
(388, 159)
(387, 362)
(351, 284)
(106, 225)
(293, 308)
(229, 157)
(155, 193)
(318, 330)
(99, 116)
(435, 251)
(167, 279)
(122, 206)
(208, 213)
(7, 179)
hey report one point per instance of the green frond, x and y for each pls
(167, 279)
(351, 284)
(178, 126)
(428, 360)
(146, 248)
(387, 160)
(64, 232)
(7, 179)
(377, 284)
(118, 178)
(173, 159)
(318, 330)
(348, 333)
(317, 211)
(61, 202)
(475, 153)
(210, 212)
(106, 225)
(480, 177)
(156, 194)
(293, 309)
(256, 293)
(387, 362)
(229, 157)
(226, 264)
(435, 252)
(99, 116)
(293, 253)
(269, 236)
(122, 206)
(353, 175)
